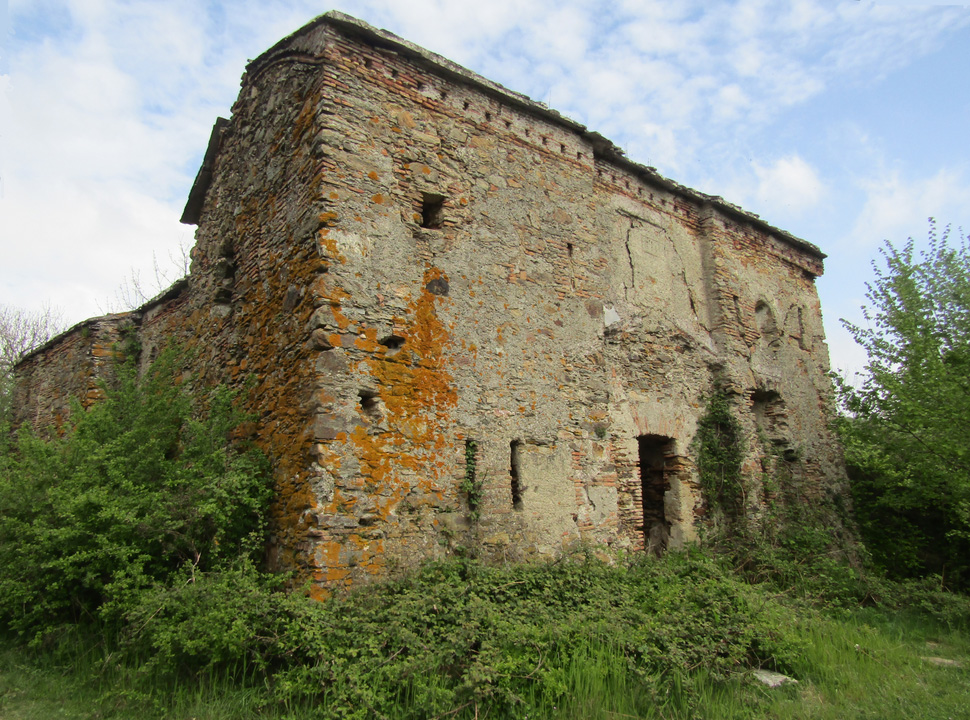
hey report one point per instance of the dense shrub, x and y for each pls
(144, 488)
(459, 634)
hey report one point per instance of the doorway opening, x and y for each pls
(653, 451)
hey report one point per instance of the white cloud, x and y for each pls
(789, 186)
(898, 207)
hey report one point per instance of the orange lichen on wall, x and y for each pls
(397, 446)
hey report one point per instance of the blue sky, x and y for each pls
(845, 123)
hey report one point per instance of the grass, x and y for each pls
(527, 642)
(861, 665)
(877, 665)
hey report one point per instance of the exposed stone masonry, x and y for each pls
(411, 261)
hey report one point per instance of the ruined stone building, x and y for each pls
(471, 323)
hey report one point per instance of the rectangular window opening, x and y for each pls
(432, 210)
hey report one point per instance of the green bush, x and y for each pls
(141, 489)
(460, 634)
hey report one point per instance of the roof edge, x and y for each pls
(136, 314)
(604, 149)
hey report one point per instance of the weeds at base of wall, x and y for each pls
(675, 637)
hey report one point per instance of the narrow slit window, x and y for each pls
(515, 460)
(432, 210)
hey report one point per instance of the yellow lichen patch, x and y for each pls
(398, 446)
(368, 341)
(378, 198)
(373, 175)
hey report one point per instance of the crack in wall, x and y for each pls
(629, 259)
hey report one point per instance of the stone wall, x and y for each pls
(469, 324)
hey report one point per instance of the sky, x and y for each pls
(844, 123)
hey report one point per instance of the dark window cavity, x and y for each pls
(432, 210)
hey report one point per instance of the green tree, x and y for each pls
(907, 424)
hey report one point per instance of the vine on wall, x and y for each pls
(470, 484)
(720, 454)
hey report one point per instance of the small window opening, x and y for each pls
(367, 62)
(465, 105)
(562, 148)
(393, 73)
(569, 249)
(771, 416)
(508, 124)
(545, 140)
(432, 210)
(420, 87)
(515, 460)
(443, 95)
(393, 343)
(370, 403)
(471, 485)
(488, 117)
(652, 453)
(527, 132)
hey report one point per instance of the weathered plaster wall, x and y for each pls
(432, 281)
